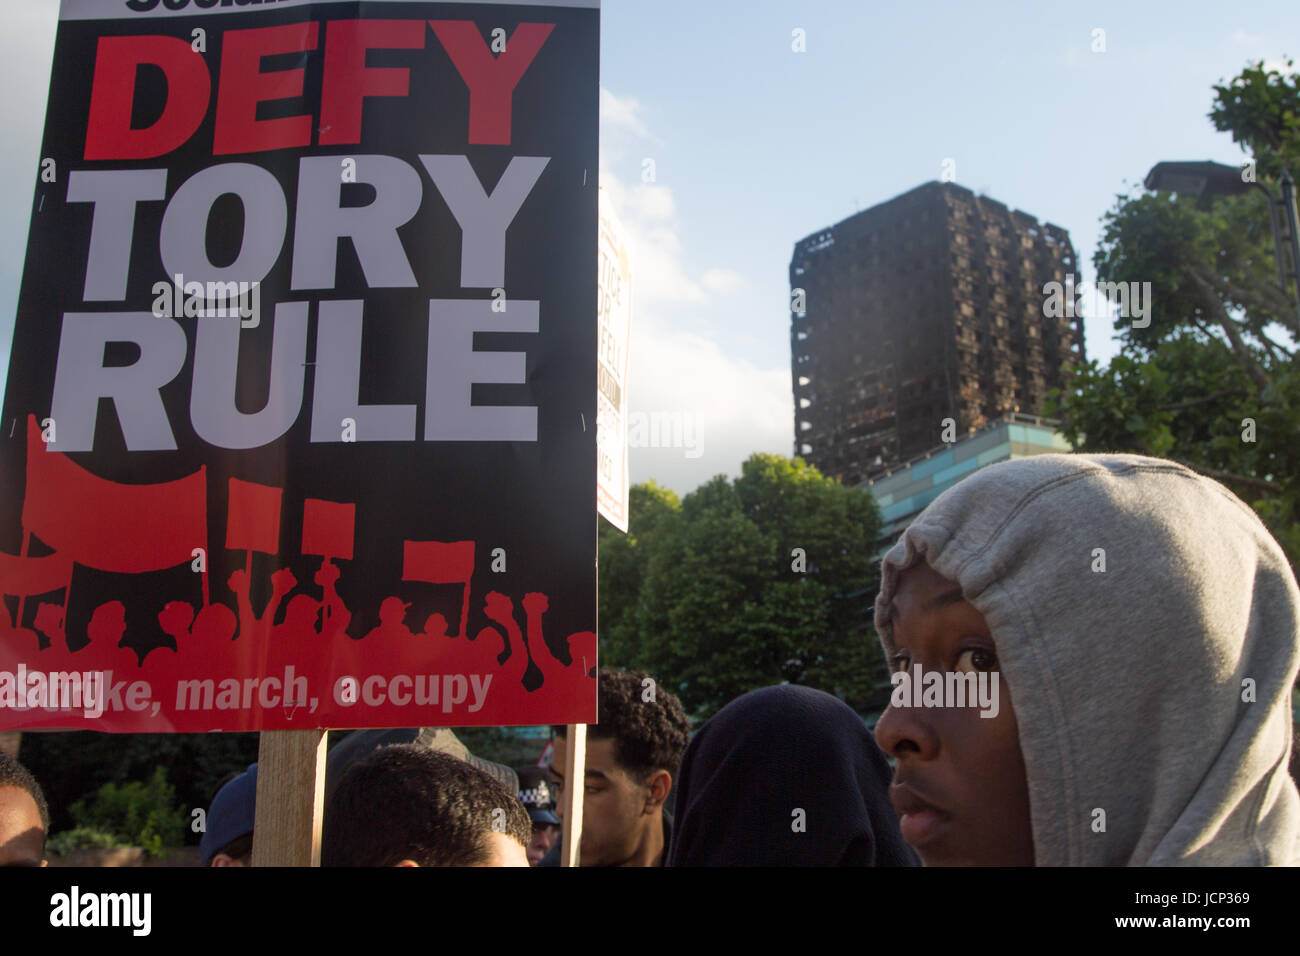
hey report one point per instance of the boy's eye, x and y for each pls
(976, 659)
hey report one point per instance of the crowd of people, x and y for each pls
(1140, 630)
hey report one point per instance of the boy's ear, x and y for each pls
(660, 784)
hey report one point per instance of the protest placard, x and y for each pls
(614, 298)
(300, 424)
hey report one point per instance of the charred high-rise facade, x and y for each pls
(926, 307)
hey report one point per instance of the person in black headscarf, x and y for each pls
(786, 776)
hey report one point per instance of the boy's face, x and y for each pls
(22, 837)
(959, 782)
(615, 808)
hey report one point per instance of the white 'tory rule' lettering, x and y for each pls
(322, 221)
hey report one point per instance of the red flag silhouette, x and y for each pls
(328, 528)
(107, 525)
(19, 575)
(441, 562)
(253, 517)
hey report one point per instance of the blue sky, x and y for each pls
(756, 145)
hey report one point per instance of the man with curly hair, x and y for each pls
(632, 758)
(406, 805)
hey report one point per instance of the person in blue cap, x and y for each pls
(228, 829)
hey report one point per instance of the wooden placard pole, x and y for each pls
(290, 798)
(575, 772)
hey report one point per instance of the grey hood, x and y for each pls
(1128, 683)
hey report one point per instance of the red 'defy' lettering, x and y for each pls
(348, 81)
(491, 79)
(244, 84)
(109, 134)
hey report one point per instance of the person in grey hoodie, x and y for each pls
(1144, 630)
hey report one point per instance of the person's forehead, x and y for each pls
(917, 587)
(17, 805)
(927, 604)
(920, 581)
(599, 758)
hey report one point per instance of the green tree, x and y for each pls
(1261, 109)
(754, 582)
(135, 813)
(1212, 381)
(622, 565)
(76, 764)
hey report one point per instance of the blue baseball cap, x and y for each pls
(230, 816)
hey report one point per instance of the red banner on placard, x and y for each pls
(253, 522)
(108, 525)
(327, 528)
